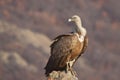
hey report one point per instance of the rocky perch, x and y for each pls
(61, 75)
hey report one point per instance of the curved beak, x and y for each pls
(69, 20)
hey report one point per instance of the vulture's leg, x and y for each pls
(70, 67)
(68, 63)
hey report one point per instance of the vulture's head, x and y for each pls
(78, 28)
(74, 18)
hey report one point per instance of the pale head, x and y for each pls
(74, 18)
(79, 28)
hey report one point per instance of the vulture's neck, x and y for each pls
(79, 29)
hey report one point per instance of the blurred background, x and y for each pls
(28, 26)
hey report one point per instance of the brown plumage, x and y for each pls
(67, 48)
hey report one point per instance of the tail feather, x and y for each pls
(53, 64)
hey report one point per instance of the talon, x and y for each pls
(73, 72)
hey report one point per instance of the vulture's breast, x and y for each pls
(77, 47)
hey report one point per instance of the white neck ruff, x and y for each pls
(80, 38)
